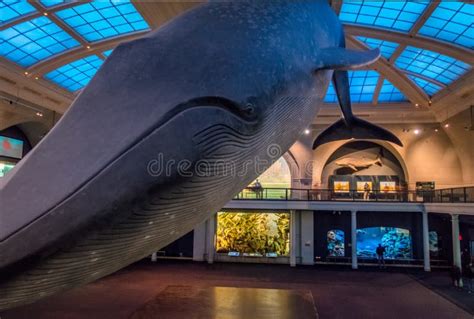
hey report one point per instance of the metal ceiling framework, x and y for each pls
(157, 13)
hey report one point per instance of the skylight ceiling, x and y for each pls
(398, 15)
(31, 41)
(36, 34)
(100, 20)
(451, 22)
(77, 74)
(11, 10)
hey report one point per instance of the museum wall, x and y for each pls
(462, 137)
(443, 156)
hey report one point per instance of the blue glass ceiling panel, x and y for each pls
(431, 64)
(12, 9)
(77, 74)
(398, 15)
(108, 52)
(52, 3)
(389, 93)
(103, 19)
(386, 47)
(32, 41)
(430, 88)
(451, 22)
(362, 87)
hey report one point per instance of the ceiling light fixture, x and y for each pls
(39, 114)
(446, 125)
(416, 131)
(307, 131)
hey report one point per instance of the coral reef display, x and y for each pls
(253, 234)
(397, 242)
(335, 240)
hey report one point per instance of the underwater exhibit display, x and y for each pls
(397, 242)
(253, 234)
(335, 240)
(434, 244)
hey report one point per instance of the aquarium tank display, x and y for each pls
(397, 242)
(253, 234)
(335, 240)
(434, 245)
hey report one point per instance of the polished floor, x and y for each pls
(140, 291)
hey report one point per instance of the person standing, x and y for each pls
(366, 191)
(380, 251)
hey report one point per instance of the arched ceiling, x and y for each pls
(56, 46)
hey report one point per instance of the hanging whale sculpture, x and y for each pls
(136, 161)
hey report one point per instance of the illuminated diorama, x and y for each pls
(253, 234)
(335, 238)
(396, 241)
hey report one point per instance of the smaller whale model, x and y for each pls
(358, 164)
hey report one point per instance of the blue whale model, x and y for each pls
(136, 162)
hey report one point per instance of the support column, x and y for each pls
(293, 238)
(211, 235)
(307, 237)
(426, 242)
(200, 241)
(354, 239)
(154, 257)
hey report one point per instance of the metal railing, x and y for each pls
(452, 195)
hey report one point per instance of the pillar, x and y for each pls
(426, 242)
(456, 243)
(307, 237)
(200, 242)
(354, 239)
(154, 257)
(293, 238)
(210, 237)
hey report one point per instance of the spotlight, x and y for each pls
(46, 13)
(417, 104)
(416, 131)
(88, 46)
(307, 132)
(436, 130)
(36, 78)
(26, 73)
(446, 125)
(39, 114)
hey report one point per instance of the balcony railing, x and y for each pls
(452, 195)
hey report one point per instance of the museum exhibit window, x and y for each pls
(364, 171)
(396, 241)
(11, 151)
(434, 244)
(273, 182)
(335, 243)
(253, 234)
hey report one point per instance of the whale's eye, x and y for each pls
(249, 108)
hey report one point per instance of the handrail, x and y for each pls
(449, 195)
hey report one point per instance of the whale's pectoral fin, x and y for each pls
(359, 129)
(344, 59)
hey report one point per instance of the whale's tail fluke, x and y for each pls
(350, 126)
(358, 129)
